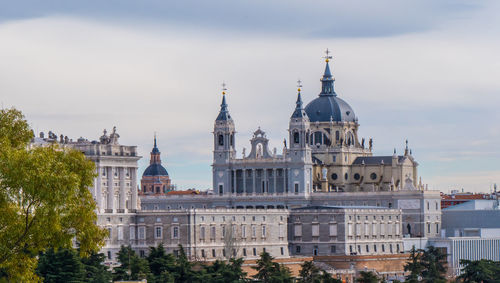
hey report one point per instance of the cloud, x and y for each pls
(316, 19)
(77, 76)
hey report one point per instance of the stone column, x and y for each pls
(98, 185)
(123, 195)
(244, 173)
(133, 187)
(285, 187)
(274, 181)
(253, 181)
(264, 190)
(111, 190)
(234, 180)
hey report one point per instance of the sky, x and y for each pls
(426, 71)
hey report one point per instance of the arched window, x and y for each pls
(296, 137)
(337, 135)
(221, 140)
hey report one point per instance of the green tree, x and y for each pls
(480, 271)
(44, 199)
(95, 270)
(222, 272)
(161, 264)
(132, 267)
(183, 271)
(309, 273)
(367, 277)
(327, 278)
(414, 266)
(271, 272)
(60, 266)
(433, 261)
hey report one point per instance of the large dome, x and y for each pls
(327, 107)
(155, 169)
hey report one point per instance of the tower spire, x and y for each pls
(224, 112)
(327, 80)
(299, 110)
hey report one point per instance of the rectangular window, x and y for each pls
(375, 248)
(213, 253)
(396, 228)
(244, 252)
(367, 229)
(358, 229)
(333, 249)
(254, 231)
(263, 231)
(374, 229)
(221, 189)
(120, 233)
(223, 228)
(298, 230)
(297, 249)
(243, 231)
(333, 230)
(315, 230)
(203, 253)
(282, 251)
(142, 233)
(175, 232)
(281, 231)
(254, 251)
(110, 233)
(202, 233)
(437, 227)
(428, 227)
(132, 233)
(233, 231)
(296, 188)
(349, 229)
(212, 232)
(382, 229)
(158, 232)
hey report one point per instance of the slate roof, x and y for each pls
(376, 160)
(155, 169)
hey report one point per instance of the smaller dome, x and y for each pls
(155, 169)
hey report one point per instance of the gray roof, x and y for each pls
(155, 169)
(375, 160)
(339, 207)
(328, 106)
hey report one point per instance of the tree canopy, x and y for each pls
(44, 199)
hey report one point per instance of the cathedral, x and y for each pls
(324, 154)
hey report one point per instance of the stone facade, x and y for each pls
(345, 230)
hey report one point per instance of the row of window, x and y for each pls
(234, 218)
(114, 170)
(141, 232)
(237, 231)
(216, 253)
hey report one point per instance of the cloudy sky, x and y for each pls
(423, 70)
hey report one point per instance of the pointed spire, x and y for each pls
(224, 112)
(299, 110)
(327, 80)
(406, 148)
(155, 148)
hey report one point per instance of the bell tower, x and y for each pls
(224, 146)
(299, 151)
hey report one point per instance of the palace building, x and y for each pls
(324, 194)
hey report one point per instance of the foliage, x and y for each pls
(309, 273)
(327, 278)
(414, 266)
(483, 270)
(132, 267)
(161, 264)
(271, 272)
(367, 277)
(44, 199)
(63, 265)
(433, 260)
(95, 270)
(221, 272)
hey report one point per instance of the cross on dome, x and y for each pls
(224, 88)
